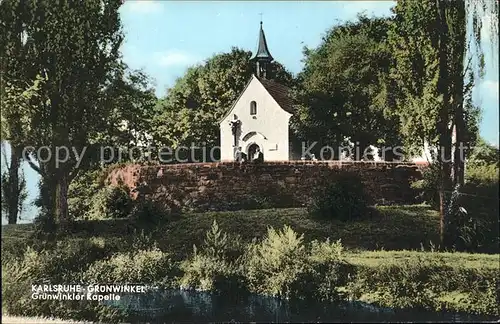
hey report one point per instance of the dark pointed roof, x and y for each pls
(280, 93)
(262, 51)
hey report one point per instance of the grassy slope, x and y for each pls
(394, 228)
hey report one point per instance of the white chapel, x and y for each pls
(258, 122)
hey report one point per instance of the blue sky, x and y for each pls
(165, 37)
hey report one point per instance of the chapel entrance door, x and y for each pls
(252, 150)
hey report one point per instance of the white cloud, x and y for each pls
(175, 58)
(143, 6)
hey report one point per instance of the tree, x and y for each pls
(342, 92)
(192, 108)
(13, 196)
(16, 96)
(431, 86)
(133, 107)
(16, 93)
(485, 153)
(74, 46)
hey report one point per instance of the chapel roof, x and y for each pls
(280, 93)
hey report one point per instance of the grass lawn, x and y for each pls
(393, 228)
(466, 260)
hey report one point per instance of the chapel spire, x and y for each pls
(262, 57)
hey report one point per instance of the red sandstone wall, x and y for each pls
(229, 185)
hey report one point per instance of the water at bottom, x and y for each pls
(175, 306)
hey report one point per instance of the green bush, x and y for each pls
(480, 174)
(149, 212)
(478, 226)
(151, 267)
(405, 285)
(217, 266)
(283, 265)
(329, 271)
(86, 184)
(110, 202)
(276, 265)
(427, 187)
(344, 199)
(45, 226)
(13, 249)
(62, 263)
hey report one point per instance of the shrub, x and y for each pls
(217, 266)
(275, 265)
(477, 223)
(45, 226)
(404, 285)
(329, 272)
(151, 267)
(150, 212)
(85, 185)
(12, 250)
(343, 199)
(62, 263)
(283, 265)
(427, 187)
(208, 273)
(110, 202)
(142, 241)
(478, 226)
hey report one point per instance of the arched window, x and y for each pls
(253, 108)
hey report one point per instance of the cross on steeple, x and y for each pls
(262, 57)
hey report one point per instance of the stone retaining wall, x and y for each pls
(229, 185)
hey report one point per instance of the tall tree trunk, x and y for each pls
(444, 150)
(61, 199)
(459, 35)
(14, 190)
(458, 49)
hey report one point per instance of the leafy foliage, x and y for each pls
(477, 220)
(424, 280)
(85, 185)
(83, 89)
(274, 266)
(484, 154)
(150, 212)
(62, 263)
(283, 265)
(217, 266)
(343, 98)
(427, 187)
(342, 199)
(111, 202)
(150, 267)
